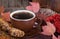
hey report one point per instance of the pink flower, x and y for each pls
(33, 7)
(6, 16)
(48, 29)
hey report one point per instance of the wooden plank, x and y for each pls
(4, 3)
(0, 2)
(13, 3)
(25, 2)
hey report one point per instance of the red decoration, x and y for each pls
(55, 19)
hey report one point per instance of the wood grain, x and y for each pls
(53, 4)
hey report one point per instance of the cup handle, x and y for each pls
(39, 21)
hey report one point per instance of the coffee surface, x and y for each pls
(23, 15)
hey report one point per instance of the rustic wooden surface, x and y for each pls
(13, 3)
(53, 4)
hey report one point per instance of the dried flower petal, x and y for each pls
(33, 7)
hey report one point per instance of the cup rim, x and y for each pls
(22, 11)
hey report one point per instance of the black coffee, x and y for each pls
(23, 15)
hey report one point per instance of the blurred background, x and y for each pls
(16, 4)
